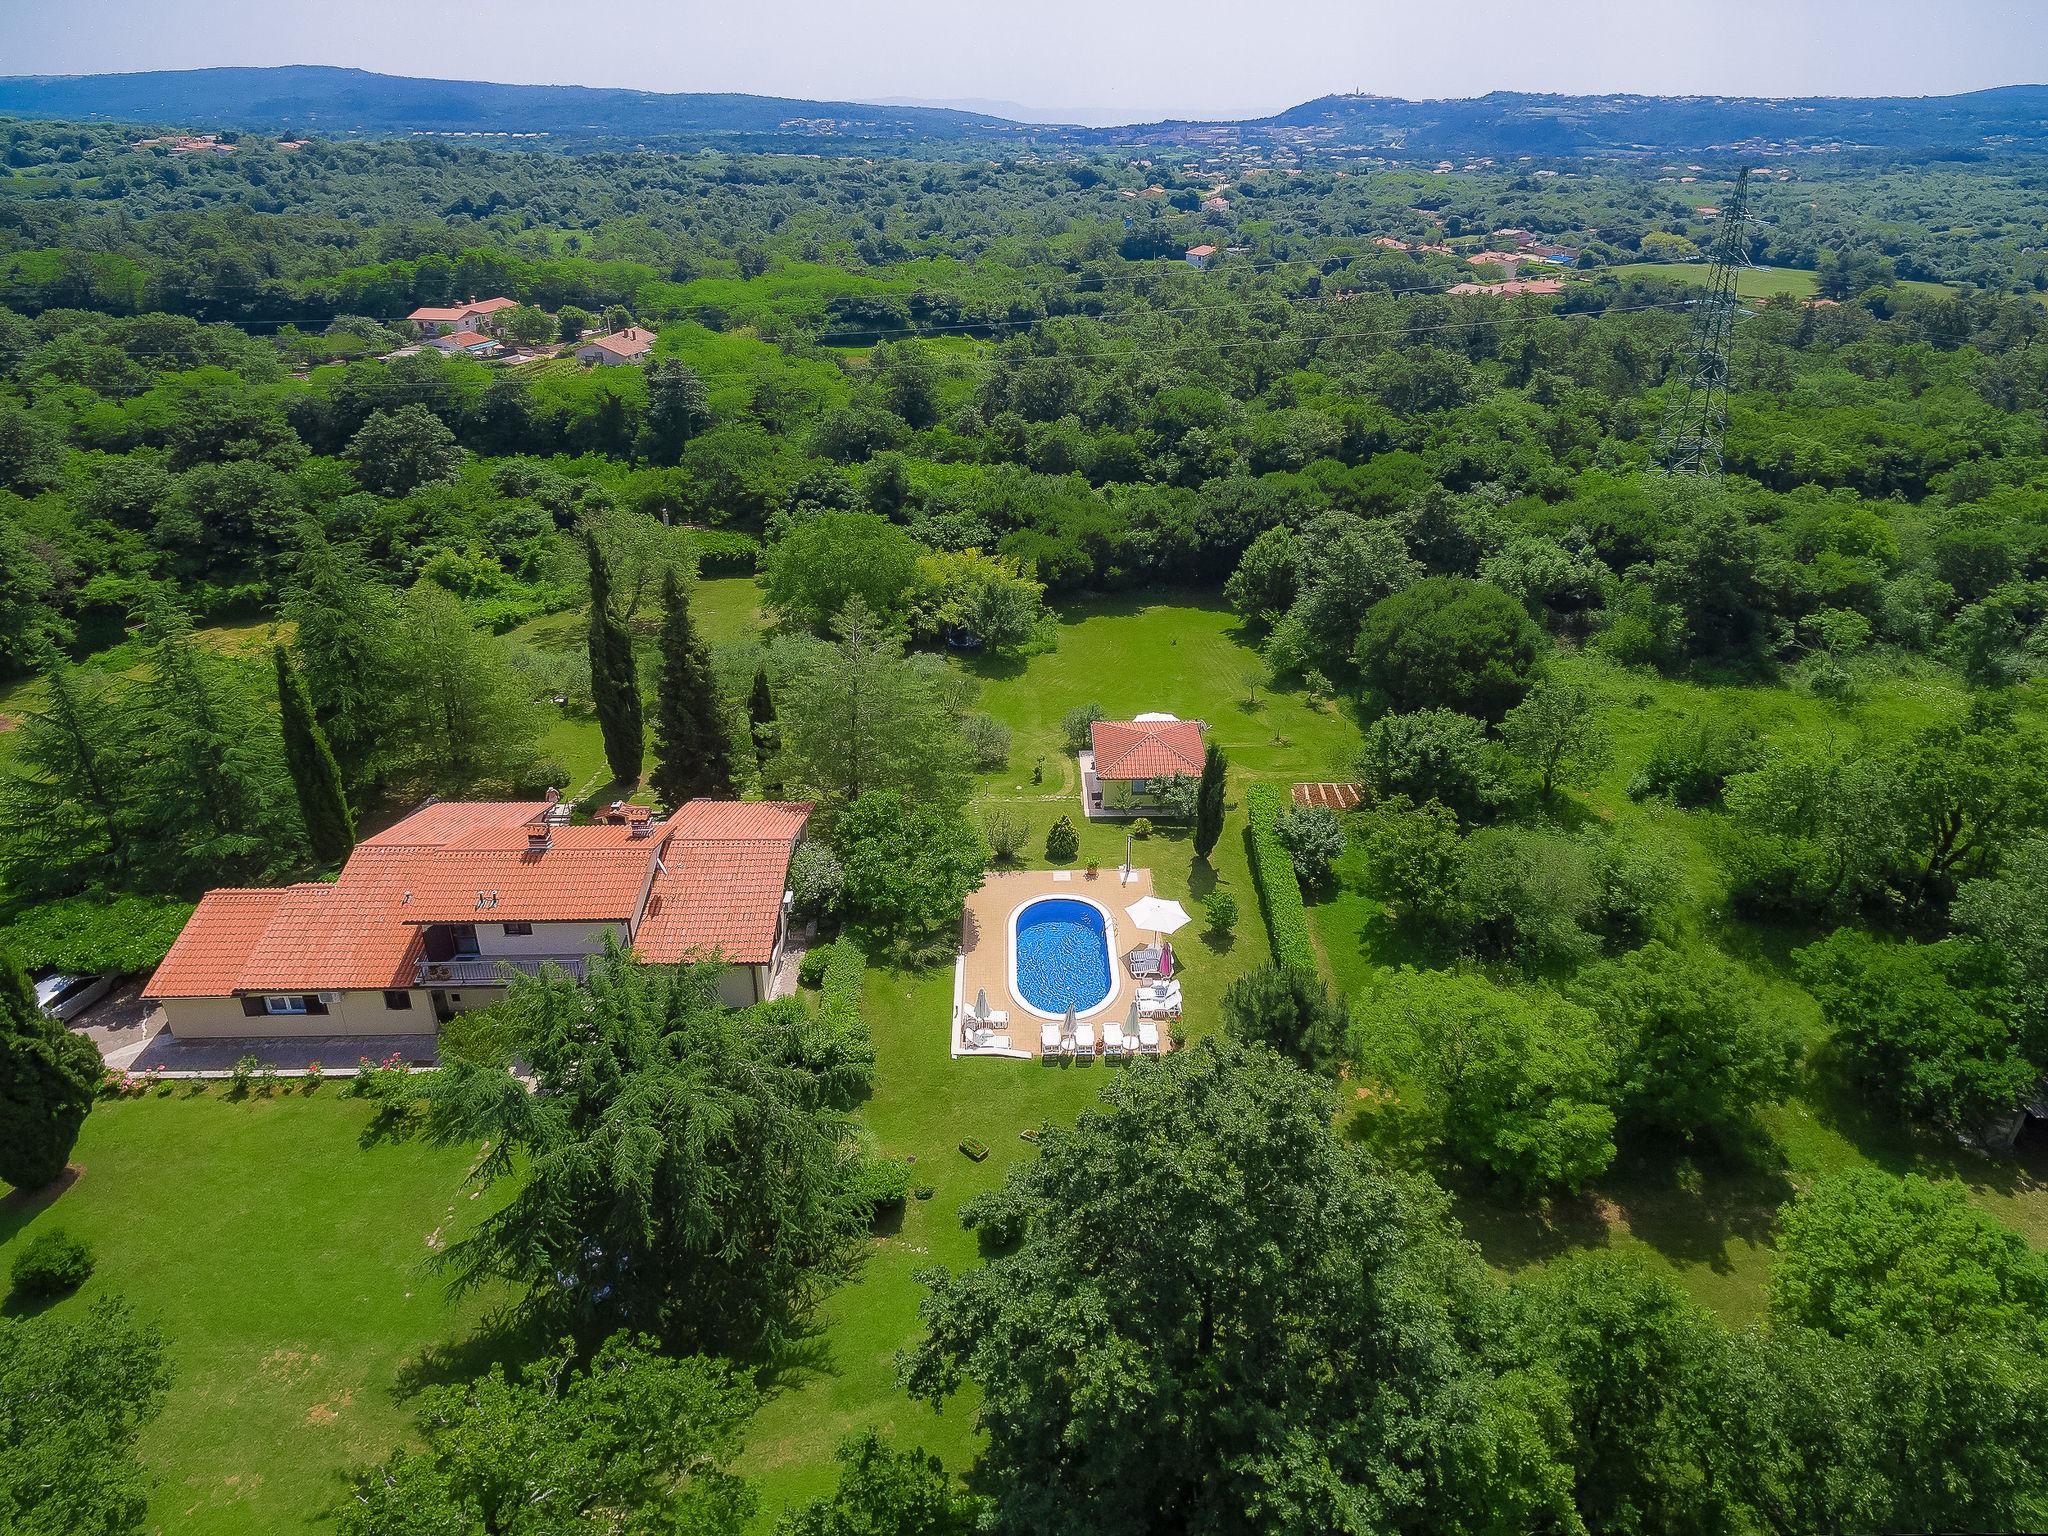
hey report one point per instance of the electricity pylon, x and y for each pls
(1690, 440)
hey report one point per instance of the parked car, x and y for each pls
(65, 997)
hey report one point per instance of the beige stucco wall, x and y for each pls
(546, 939)
(351, 1013)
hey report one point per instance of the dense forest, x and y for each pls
(929, 412)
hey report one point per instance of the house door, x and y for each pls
(443, 1011)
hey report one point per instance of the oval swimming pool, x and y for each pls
(1059, 952)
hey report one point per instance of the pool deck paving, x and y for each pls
(985, 948)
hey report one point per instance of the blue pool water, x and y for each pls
(1062, 956)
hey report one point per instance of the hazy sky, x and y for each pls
(1110, 60)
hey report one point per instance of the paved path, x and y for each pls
(337, 1054)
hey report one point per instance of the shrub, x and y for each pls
(725, 551)
(810, 970)
(1221, 908)
(839, 984)
(1005, 830)
(988, 741)
(54, 1263)
(815, 880)
(1434, 754)
(880, 1186)
(1142, 827)
(1273, 876)
(1075, 723)
(1062, 843)
(1690, 763)
(997, 1217)
(238, 1079)
(1313, 838)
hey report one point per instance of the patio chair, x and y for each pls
(1145, 961)
(1050, 1042)
(1160, 1002)
(1148, 1038)
(1084, 1039)
(1113, 1040)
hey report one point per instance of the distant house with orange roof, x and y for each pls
(1132, 761)
(434, 916)
(630, 345)
(1199, 255)
(473, 343)
(1531, 287)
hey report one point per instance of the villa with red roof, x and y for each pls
(1133, 761)
(432, 917)
(476, 315)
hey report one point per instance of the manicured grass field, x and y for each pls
(283, 1253)
(1751, 282)
(283, 1258)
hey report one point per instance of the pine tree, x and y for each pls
(347, 625)
(207, 766)
(329, 828)
(1209, 802)
(692, 748)
(66, 806)
(762, 725)
(614, 678)
(48, 1076)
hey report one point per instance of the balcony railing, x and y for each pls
(492, 970)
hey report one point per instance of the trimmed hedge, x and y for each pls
(839, 988)
(725, 551)
(1273, 875)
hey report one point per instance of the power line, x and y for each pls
(1690, 440)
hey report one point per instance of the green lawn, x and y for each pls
(282, 1253)
(282, 1257)
(1750, 282)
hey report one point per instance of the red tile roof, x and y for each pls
(464, 339)
(492, 306)
(1201, 250)
(711, 877)
(437, 313)
(208, 955)
(630, 342)
(562, 884)
(1146, 749)
(444, 821)
(720, 883)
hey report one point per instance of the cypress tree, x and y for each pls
(614, 679)
(1209, 802)
(692, 750)
(47, 1079)
(761, 723)
(330, 830)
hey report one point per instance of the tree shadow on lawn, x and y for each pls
(499, 1342)
(1898, 1146)
(1690, 1209)
(22, 1206)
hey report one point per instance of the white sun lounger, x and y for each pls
(1049, 1041)
(1084, 1039)
(1113, 1040)
(1148, 1038)
(1161, 1001)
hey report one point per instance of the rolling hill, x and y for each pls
(331, 102)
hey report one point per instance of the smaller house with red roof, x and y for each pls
(1133, 761)
(437, 915)
(630, 345)
(1199, 256)
(468, 343)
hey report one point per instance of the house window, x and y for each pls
(284, 1005)
(517, 930)
(1141, 786)
(398, 1001)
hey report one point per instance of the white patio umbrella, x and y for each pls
(981, 1005)
(1067, 1029)
(1158, 914)
(1131, 1022)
